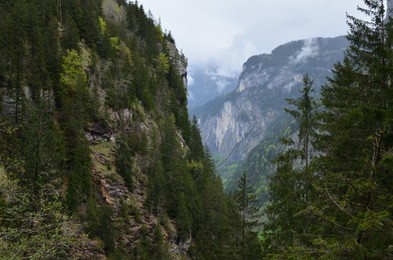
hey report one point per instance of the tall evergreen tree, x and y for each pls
(355, 165)
(291, 188)
(77, 164)
(305, 116)
(40, 145)
(246, 202)
(124, 161)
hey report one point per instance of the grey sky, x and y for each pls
(227, 32)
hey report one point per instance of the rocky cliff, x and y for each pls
(234, 124)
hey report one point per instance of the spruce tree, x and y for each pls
(355, 165)
(77, 162)
(39, 145)
(246, 202)
(291, 188)
(124, 161)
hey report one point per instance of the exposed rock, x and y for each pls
(233, 125)
(180, 60)
(98, 133)
(115, 193)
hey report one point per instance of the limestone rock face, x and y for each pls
(179, 59)
(389, 10)
(234, 124)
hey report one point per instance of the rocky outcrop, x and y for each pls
(180, 60)
(129, 209)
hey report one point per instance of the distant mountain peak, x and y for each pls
(233, 124)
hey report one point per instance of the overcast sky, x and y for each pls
(229, 31)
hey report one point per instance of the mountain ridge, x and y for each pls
(232, 125)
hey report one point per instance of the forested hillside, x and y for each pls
(98, 157)
(331, 196)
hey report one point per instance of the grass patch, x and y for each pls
(103, 158)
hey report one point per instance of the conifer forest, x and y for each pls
(100, 158)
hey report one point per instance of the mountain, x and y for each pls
(207, 83)
(98, 157)
(234, 124)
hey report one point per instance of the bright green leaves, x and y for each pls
(371, 220)
(103, 24)
(121, 49)
(163, 63)
(73, 75)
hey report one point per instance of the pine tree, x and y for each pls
(40, 145)
(357, 128)
(291, 188)
(159, 248)
(304, 114)
(124, 162)
(246, 202)
(73, 93)
(197, 151)
(183, 219)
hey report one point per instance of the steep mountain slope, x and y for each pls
(98, 156)
(234, 124)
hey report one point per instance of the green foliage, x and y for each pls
(163, 64)
(305, 115)
(31, 224)
(103, 25)
(142, 248)
(178, 180)
(39, 146)
(197, 151)
(72, 66)
(183, 219)
(178, 104)
(73, 75)
(291, 188)
(73, 93)
(124, 162)
(100, 224)
(344, 195)
(159, 248)
(357, 134)
(246, 202)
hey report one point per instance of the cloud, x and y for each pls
(190, 96)
(227, 32)
(229, 60)
(220, 72)
(220, 83)
(310, 49)
(190, 79)
(222, 76)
